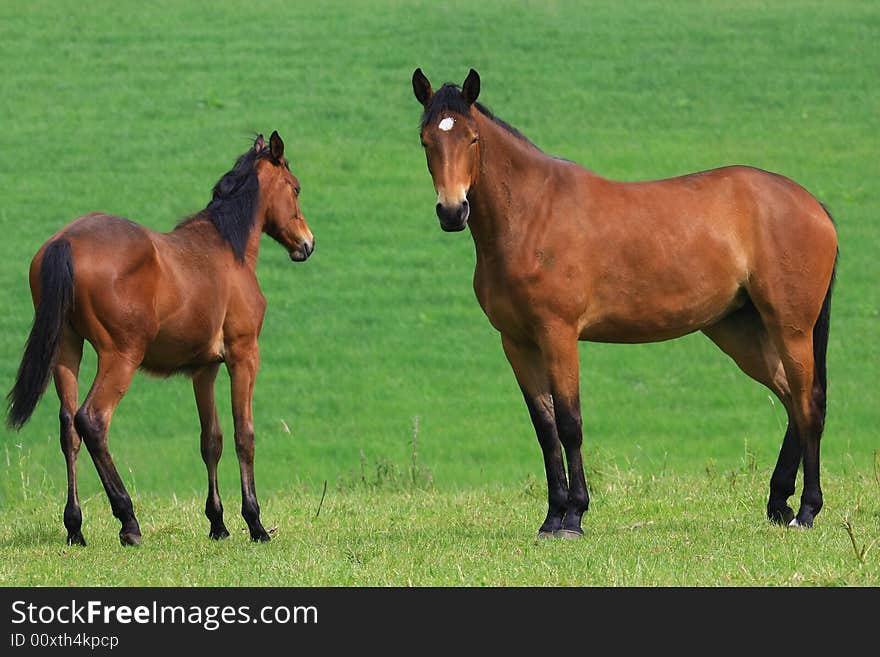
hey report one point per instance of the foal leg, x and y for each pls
(744, 338)
(212, 445)
(535, 386)
(242, 363)
(92, 421)
(66, 372)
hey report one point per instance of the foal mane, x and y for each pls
(234, 202)
(449, 99)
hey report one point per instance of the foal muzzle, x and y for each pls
(304, 251)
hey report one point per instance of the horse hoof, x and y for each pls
(568, 533)
(797, 524)
(130, 539)
(781, 516)
(542, 535)
(261, 538)
(218, 534)
(76, 539)
(801, 523)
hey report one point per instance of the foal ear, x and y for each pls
(421, 87)
(276, 146)
(259, 144)
(471, 87)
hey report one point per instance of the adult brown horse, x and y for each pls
(563, 254)
(177, 302)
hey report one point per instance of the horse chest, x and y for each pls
(505, 299)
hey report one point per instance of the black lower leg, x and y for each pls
(557, 485)
(782, 483)
(214, 513)
(569, 426)
(73, 523)
(123, 510)
(811, 497)
(94, 434)
(211, 449)
(250, 511)
(70, 443)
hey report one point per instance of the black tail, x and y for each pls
(41, 350)
(820, 335)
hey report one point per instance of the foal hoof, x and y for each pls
(801, 524)
(569, 534)
(542, 535)
(76, 539)
(130, 539)
(261, 538)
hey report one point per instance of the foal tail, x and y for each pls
(41, 350)
(820, 335)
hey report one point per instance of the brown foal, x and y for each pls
(563, 255)
(177, 302)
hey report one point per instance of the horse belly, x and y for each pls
(182, 349)
(654, 316)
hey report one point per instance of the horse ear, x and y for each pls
(471, 87)
(276, 146)
(259, 144)
(421, 87)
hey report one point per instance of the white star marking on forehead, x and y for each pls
(446, 124)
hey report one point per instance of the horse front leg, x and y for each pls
(211, 446)
(559, 350)
(242, 363)
(528, 367)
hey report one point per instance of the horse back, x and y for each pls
(159, 298)
(658, 259)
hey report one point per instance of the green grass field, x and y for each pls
(138, 110)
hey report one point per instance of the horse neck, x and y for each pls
(252, 250)
(504, 192)
(199, 235)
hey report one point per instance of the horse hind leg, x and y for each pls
(808, 403)
(65, 374)
(744, 338)
(92, 421)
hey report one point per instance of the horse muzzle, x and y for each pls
(302, 253)
(453, 218)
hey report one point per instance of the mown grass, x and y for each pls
(138, 110)
(669, 530)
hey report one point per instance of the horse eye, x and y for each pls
(475, 139)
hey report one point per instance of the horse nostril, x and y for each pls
(440, 212)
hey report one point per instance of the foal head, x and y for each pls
(279, 191)
(451, 141)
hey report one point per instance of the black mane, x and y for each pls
(449, 99)
(234, 202)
